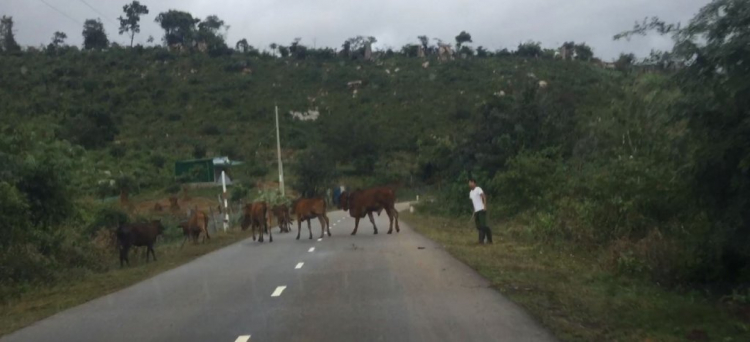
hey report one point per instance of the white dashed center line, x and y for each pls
(320, 239)
(243, 338)
(312, 249)
(278, 291)
(299, 265)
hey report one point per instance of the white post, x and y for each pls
(224, 189)
(278, 152)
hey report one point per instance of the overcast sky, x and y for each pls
(492, 23)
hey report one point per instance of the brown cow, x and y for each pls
(309, 208)
(197, 224)
(365, 202)
(256, 217)
(281, 212)
(138, 234)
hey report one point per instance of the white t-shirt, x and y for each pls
(476, 198)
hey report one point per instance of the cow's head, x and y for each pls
(344, 201)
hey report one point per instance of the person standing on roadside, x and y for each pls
(479, 201)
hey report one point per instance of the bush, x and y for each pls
(530, 181)
(199, 151)
(238, 192)
(210, 129)
(315, 171)
(106, 218)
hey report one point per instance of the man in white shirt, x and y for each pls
(479, 201)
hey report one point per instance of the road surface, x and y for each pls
(344, 288)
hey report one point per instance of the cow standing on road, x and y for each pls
(365, 202)
(281, 212)
(256, 218)
(309, 208)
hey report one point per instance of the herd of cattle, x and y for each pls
(257, 215)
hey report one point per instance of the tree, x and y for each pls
(711, 57)
(503, 53)
(211, 24)
(150, 39)
(130, 23)
(297, 50)
(178, 26)
(583, 52)
(466, 51)
(273, 47)
(93, 129)
(529, 49)
(209, 34)
(58, 39)
(625, 61)
(242, 45)
(94, 36)
(283, 51)
(482, 52)
(355, 46)
(314, 170)
(7, 38)
(461, 38)
(567, 50)
(410, 50)
(425, 43)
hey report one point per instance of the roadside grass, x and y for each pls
(39, 302)
(578, 300)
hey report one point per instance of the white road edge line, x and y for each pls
(299, 265)
(278, 291)
(312, 249)
(243, 338)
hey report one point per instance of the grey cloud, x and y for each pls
(493, 24)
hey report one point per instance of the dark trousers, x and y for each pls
(480, 219)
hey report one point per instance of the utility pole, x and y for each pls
(278, 152)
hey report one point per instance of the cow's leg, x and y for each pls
(124, 255)
(309, 228)
(260, 231)
(356, 225)
(372, 219)
(395, 218)
(322, 226)
(328, 224)
(299, 227)
(389, 211)
(252, 229)
(270, 234)
(205, 230)
(151, 249)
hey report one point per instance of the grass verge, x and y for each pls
(43, 301)
(577, 299)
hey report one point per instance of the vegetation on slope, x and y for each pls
(647, 164)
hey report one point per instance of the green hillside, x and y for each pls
(138, 103)
(638, 170)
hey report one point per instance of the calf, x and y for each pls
(192, 228)
(308, 208)
(365, 202)
(138, 234)
(281, 212)
(255, 217)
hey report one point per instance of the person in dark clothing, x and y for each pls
(479, 202)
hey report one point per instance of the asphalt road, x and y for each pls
(344, 288)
